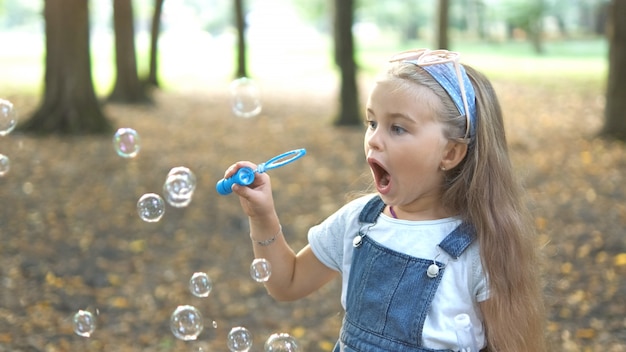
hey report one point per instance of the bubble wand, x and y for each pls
(245, 175)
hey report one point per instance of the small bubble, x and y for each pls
(186, 323)
(8, 117)
(126, 142)
(150, 207)
(246, 98)
(84, 323)
(5, 165)
(281, 342)
(260, 270)
(200, 285)
(239, 339)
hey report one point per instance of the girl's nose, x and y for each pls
(373, 139)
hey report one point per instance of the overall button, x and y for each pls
(357, 241)
(433, 271)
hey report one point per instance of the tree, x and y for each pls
(152, 79)
(128, 88)
(442, 24)
(615, 109)
(69, 102)
(240, 24)
(344, 58)
(528, 16)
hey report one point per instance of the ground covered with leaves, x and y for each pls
(71, 238)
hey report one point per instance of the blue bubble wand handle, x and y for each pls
(245, 175)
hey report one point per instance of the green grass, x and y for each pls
(199, 60)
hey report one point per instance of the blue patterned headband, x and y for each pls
(444, 67)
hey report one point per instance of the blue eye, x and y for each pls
(397, 129)
(371, 124)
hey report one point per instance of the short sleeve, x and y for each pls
(328, 239)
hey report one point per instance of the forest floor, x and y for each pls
(70, 236)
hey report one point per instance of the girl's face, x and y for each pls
(405, 146)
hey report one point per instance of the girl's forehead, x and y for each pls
(394, 87)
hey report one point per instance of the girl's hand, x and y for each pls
(256, 199)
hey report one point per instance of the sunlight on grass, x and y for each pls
(191, 60)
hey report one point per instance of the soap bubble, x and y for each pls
(281, 342)
(200, 284)
(186, 323)
(151, 207)
(246, 99)
(260, 270)
(8, 117)
(239, 339)
(84, 323)
(5, 165)
(126, 142)
(179, 186)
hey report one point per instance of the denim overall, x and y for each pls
(390, 293)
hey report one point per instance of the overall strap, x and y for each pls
(458, 240)
(372, 210)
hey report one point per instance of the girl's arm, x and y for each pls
(293, 275)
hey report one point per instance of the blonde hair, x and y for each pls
(485, 192)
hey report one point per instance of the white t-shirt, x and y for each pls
(462, 286)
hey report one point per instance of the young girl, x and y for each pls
(446, 232)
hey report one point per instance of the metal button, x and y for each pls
(357, 241)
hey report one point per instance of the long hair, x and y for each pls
(483, 190)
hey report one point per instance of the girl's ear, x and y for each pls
(453, 155)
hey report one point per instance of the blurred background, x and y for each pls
(73, 71)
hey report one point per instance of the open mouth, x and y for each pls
(381, 176)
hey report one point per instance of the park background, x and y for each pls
(71, 238)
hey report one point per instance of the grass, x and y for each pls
(193, 60)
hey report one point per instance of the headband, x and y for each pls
(446, 75)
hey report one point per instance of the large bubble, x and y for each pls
(186, 323)
(200, 284)
(281, 342)
(179, 186)
(239, 339)
(246, 98)
(260, 270)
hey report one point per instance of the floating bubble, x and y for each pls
(8, 117)
(260, 270)
(246, 98)
(126, 142)
(281, 342)
(200, 284)
(150, 207)
(84, 323)
(186, 323)
(5, 165)
(179, 186)
(239, 339)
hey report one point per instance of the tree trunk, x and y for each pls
(344, 57)
(442, 25)
(241, 39)
(615, 109)
(69, 103)
(152, 79)
(128, 88)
